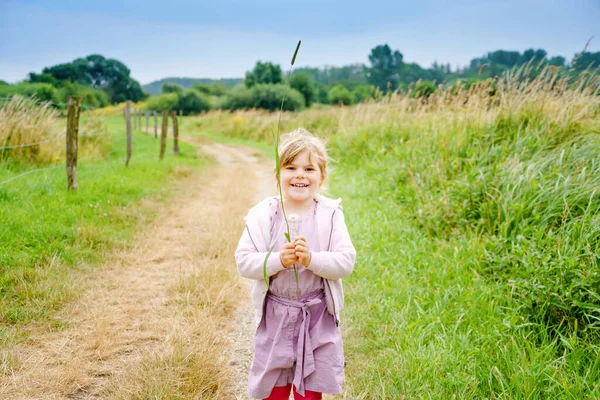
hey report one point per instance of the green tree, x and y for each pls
(585, 60)
(192, 102)
(217, 89)
(263, 73)
(424, 89)
(95, 70)
(303, 83)
(41, 91)
(172, 88)
(385, 67)
(362, 92)
(265, 96)
(167, 101)
(339, 94)
(557, 61)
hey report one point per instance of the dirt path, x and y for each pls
(152, 319)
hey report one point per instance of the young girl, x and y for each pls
(298, 340)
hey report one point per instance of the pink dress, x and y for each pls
(297, 340)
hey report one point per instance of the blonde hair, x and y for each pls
(298, 141)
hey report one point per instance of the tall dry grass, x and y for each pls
(34, 133)
(25, 122)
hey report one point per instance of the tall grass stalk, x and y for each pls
(278, 172)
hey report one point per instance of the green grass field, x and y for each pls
(477, 230)
(48, 236)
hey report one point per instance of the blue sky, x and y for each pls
(225, 38)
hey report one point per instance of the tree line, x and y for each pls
(101, 81)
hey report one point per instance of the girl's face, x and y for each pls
(300, 180)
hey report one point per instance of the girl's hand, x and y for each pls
(287, 255)
(302, 251)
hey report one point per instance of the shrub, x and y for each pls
(172, 88)
(90, 97)
(340, 95)
(168, 101)
(362, 92)
(303, 84)
(192, 102)
(41, 91)
(269, 97)
(264, 96)
(423, 89)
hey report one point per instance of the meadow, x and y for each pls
(475, 217)
(48, 236)
(474, 212)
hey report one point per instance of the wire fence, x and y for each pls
(66, 138)
(44, 102)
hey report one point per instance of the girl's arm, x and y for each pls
(250, 261)
(339, 262)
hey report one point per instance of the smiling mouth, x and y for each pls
(299, 185)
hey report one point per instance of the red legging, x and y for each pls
(283, 393)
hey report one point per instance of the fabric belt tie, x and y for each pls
(305, 359)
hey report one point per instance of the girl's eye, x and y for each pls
(290, 168)
(310, 169)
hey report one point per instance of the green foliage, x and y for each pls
(192, 102)
(424, 89)
(386, 67)
(340, 95)
(585, 60)
(3, 83)
(303, 83)
(167, 101)
(212, 89)
(354, 73)
(41, 91)
(90, 97)
(172, 88)
(264, 73)
(155, 87)
(264, 96)
(363, 92)
(110, 75)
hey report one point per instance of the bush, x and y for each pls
(41, 91)
(264, 96)
(362, 92)
(424, 89)
(212, 90)
(168, 101)
(340, 95)
(192, 102)
(172, 88)
(303, 84)
(90, 97)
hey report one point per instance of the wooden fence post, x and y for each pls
(163, 133)
(155, 125)
(128, 122)
(175, 133)
(140, 120)
(131, 113)
(74, 109)
(147, 114)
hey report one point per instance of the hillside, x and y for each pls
(155, 87)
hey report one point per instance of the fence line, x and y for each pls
(77, 136)
(32, 144)
(40, 102)
(50, 140)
